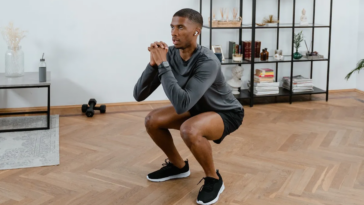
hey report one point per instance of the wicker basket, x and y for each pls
(226, 23)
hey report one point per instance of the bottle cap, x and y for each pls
(42, 59)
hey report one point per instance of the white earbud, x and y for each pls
(196, 33)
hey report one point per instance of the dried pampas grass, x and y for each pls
(222, 12)
(270, 19)
(12, 36)
(235, 13)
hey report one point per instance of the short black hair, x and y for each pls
(191, 14)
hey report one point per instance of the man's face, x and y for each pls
(183, 30)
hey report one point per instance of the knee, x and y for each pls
(151, 121)
(190, 134)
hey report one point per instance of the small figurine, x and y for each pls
(304, 18)
(235, 83)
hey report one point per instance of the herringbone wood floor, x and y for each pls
(299, 154)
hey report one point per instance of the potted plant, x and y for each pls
(298, 38)
(359, 66)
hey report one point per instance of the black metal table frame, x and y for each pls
(33, 112)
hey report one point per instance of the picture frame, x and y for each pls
(218, 49)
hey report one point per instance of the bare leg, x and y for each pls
(196, 132)
(157, 124)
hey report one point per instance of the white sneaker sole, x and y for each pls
(177, 176)
(216, 199)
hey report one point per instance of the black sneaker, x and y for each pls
(211, 190)
(169, 171)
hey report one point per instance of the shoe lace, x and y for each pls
(208, 185)
(166, 165)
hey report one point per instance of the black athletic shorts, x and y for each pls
(232, 120)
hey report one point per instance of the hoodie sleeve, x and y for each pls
(183, 99)
(146, 84)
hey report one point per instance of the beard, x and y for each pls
(186, 45)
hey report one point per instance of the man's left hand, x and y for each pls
(159, 53)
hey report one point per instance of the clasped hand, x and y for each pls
(158, 53)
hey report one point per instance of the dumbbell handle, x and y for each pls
(91, 106)
(96, 108)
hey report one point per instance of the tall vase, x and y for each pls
(297, 55)
(14, 62)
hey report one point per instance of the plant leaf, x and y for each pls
(359, 66)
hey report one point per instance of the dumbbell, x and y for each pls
(89, 109)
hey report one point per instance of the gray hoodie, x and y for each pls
(197, 83)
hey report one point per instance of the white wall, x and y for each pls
(360, 77)
(98, 48)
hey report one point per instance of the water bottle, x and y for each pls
(42, 70)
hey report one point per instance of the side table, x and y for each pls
(29, 80)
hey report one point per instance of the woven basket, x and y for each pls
(226, 23)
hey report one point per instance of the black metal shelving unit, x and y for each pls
(245, 93)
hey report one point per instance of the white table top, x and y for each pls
(29, 79)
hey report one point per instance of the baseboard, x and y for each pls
(130, 103)
(343, 90)
(79, 106)
(359, 91)
(117, 104)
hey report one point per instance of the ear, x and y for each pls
(198, 31)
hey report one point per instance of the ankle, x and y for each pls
(213, 175)
(179, 165)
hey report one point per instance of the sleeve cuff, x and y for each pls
(163, 69)
(151, 67)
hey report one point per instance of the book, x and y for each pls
(264, 72)
(257, 48)
(267, 79)
(297, 78)
(231, 48)
(297, 91)
(298, 88)
(262, 88)
(265, 93)
(247, 47)
(265, 84)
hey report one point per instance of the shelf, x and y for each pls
(231, 62)
(208, 27)
(290, 27)
(286, 25)
(282, 25)
(245, 94)
(286, 59)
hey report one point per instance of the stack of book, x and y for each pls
(299, 84)
(264, 82)
(247, 49)
(264, 75)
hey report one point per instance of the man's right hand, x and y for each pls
(152, 62)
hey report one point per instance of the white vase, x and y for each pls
(14, 62)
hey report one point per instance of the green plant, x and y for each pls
(298, 38)
(359, 66)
